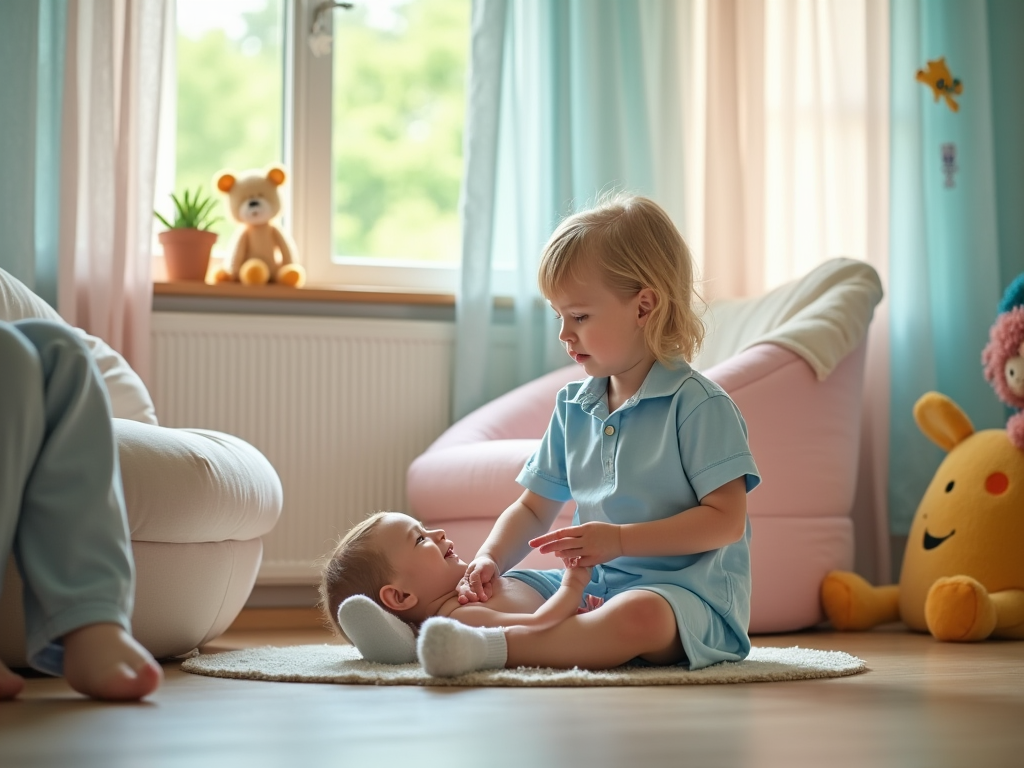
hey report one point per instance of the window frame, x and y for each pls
(307, 110)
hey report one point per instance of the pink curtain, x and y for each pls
(111, 106)
(793, 167)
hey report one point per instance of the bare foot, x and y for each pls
(10, 683)
(105, 662)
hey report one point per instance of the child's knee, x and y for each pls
(645, 615)
(23, 373)
(57, 346)
(43, 333)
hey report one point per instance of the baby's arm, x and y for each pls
(507, 543)
(560, 606)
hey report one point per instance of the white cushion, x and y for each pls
(822, 317)
(129, 398)
(194, 485)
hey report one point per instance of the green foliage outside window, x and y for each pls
(399, 91)
(230, 97)
(399, 69)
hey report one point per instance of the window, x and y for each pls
(371, 132)
(229, 93)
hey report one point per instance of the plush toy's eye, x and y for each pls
(949, 486)
(1014, 375)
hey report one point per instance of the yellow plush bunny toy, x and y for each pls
(963, 568)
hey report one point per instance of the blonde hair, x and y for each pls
(634, 244)
(355, 567)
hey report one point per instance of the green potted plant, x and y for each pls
(188, 241)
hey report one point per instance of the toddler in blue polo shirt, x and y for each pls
(654, 455)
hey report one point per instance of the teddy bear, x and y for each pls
(1003, 357)
(262, 253)
(963, 573)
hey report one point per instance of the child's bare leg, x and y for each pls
(637, 623)
(10, 683)
(105, 662)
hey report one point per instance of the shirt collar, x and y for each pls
(659, 382)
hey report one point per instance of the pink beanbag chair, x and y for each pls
(792, 360)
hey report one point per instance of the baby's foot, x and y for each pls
(378, 635)
(447, 648)
(105, 662)
(10, 683)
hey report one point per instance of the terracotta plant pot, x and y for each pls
(187, 253)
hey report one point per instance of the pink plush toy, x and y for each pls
(1003, 357)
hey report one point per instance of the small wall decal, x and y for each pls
(949, 166)
(938, 77)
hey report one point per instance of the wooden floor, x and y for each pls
(922, 703)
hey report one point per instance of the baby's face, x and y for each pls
(424, 561)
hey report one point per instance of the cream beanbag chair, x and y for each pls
(198, 503)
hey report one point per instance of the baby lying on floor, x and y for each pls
(389, 574)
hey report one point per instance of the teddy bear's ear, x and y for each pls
(224, 181)
(942, 421)
(275, 175)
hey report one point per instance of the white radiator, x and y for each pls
(339, 406)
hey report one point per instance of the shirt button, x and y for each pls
(609, 430)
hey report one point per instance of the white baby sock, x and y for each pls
(447, 648)
(379, 635)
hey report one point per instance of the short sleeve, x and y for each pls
(545, 471)
(714, 447)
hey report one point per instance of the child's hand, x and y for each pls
(589, 544)
(576, 576)
(476, 585)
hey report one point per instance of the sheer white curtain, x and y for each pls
(108, 148)
(792, 164)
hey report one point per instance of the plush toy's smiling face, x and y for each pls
(970, 521)
(1003, 356)
(1014, 370)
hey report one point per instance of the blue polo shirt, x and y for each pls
(679, 437)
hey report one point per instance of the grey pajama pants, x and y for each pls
(61, 504)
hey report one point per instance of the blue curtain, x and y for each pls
(1006, 27)
(567, 99)
(947, 269)
(19, 24)
(32, 62)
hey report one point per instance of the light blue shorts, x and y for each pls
(706, 636)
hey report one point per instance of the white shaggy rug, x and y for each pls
(343, 664)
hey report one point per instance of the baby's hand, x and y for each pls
(576, 576)
(476, 585)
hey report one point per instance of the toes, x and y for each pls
(10, 684)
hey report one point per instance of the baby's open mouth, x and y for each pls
(451, 551)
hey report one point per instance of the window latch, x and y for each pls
(321, 33)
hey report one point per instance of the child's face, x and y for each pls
(424, 561)
(601, 330)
